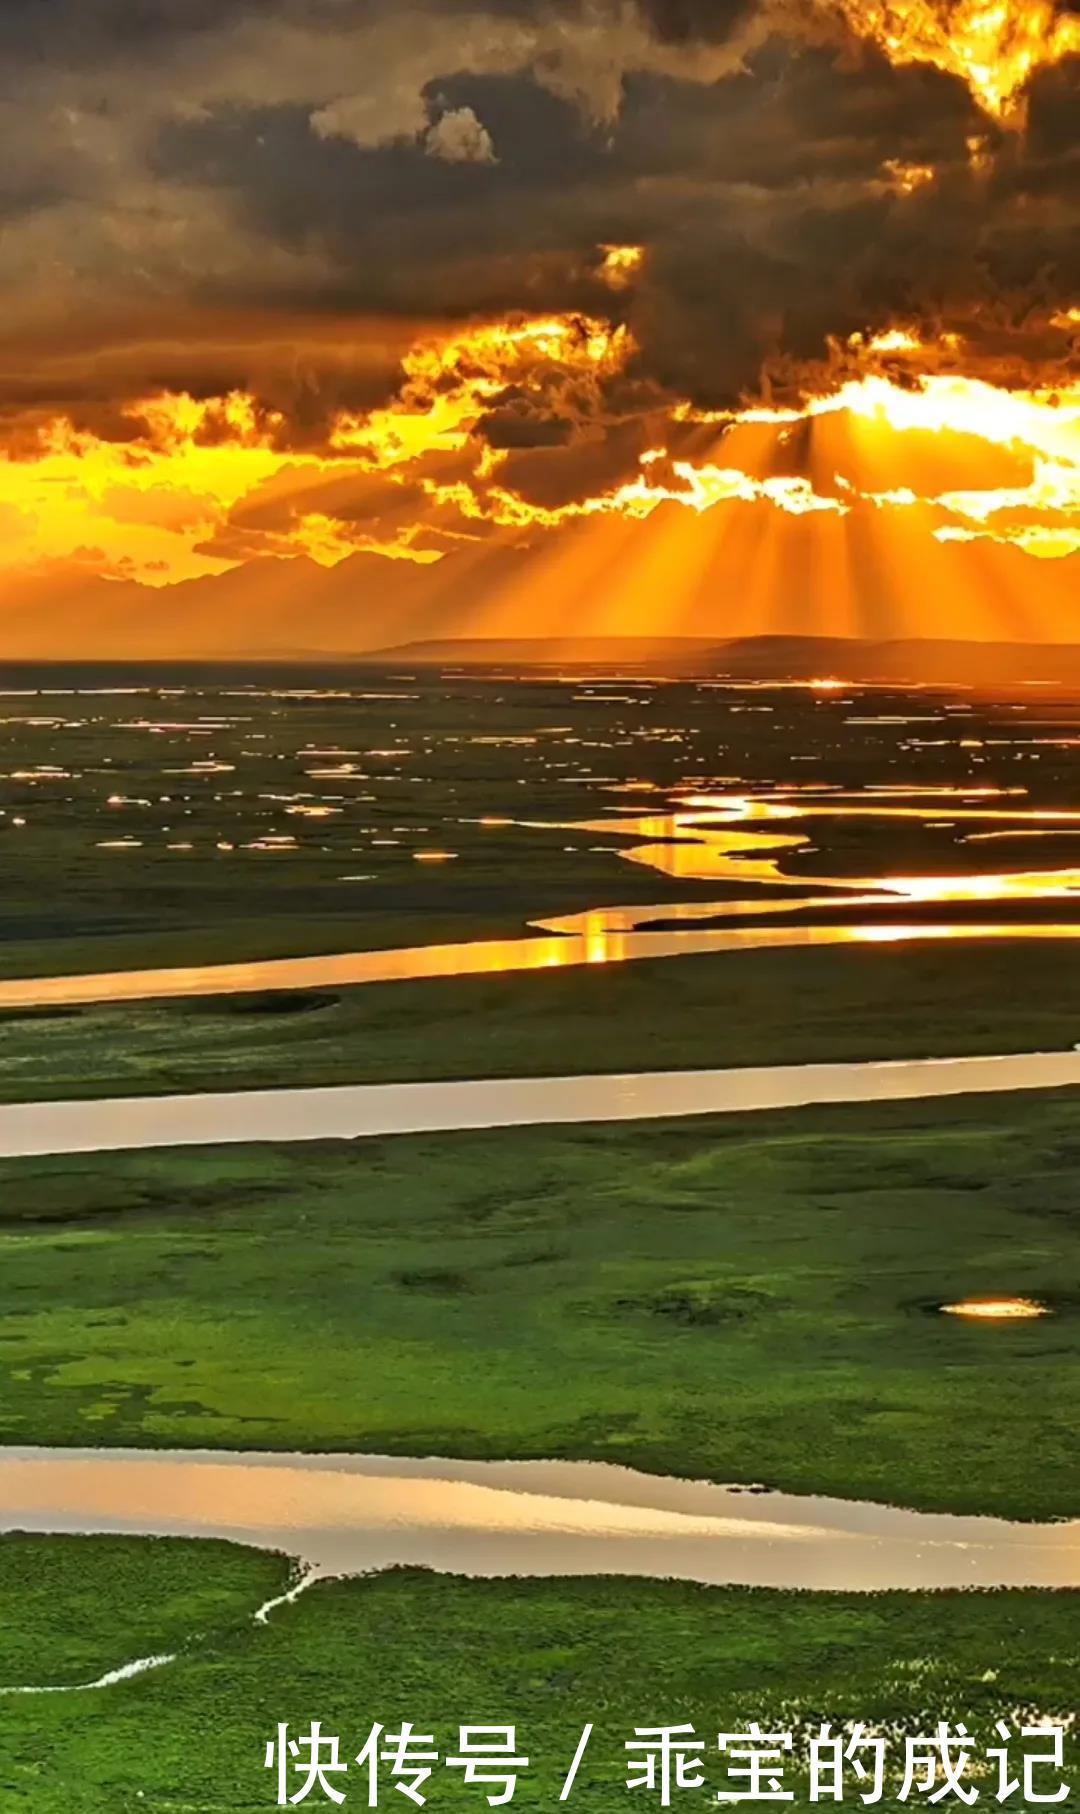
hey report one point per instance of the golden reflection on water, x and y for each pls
(997, 1310)
(708, 836)
(990, 837)
(702, 841)
(486, 957)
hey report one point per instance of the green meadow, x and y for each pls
(545, 1656)
(743, 1298)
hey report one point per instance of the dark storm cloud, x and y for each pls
(683, 21)
(552, 477)
(303, 368)
(511, 426)
(273, 163)
(765, 203)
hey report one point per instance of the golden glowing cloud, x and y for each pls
(995, 46)
(887, 438)
(621, 265)
(906, 177)
(136, 507)
(1046, 423)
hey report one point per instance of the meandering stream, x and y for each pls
(732, 839)
(362, 1110)
(349, 1514)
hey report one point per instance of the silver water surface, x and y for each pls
(356, 1111)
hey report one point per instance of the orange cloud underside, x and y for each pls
(893, 459)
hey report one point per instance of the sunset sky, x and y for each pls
(328, 324)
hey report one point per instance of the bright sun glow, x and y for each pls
(889, 451)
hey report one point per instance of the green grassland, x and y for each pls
(766, 1007)
(440, 1651)
(745, 1298)
(72, 1608)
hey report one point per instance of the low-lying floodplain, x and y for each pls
(666, 1420)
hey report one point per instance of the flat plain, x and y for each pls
(752, 1299)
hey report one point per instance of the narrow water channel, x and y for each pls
(360, 1110)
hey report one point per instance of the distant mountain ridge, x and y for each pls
(915, 659)
(911, 661)
(293, 609)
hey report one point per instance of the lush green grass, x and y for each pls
(763, 1008)
(545, 1656)
(744, 1298)
(71, 1608)
(747, 1299)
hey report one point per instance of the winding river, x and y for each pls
(359, 1111)
(732, 839)
(599, 944)
(349, 1514)
(352, 1514)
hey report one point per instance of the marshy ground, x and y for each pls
(749, 1299)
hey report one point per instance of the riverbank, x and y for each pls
(837, 1004)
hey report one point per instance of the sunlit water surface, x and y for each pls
(372, 787)
(347, 1514)
(366, 1110)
